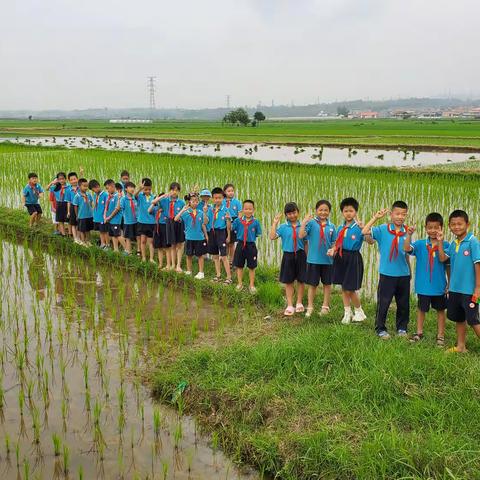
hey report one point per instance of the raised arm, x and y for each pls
(178, 216)
(367, 229)
(407, 244)
(442, 255)
(303, 232)
(273, 229)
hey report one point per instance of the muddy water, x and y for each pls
(73, 337)
(298, 154)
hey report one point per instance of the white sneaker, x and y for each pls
(347, 317)
(253, 290)
(188, 272)
(309, 312)
(200, 276)
(359, 315)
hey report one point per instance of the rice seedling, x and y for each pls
(66, 459)
(56, 444)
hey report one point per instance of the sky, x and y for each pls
(67, 54)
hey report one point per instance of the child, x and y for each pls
(195, 234)
(175, 231)
(128, 206)
(30, 199)
(247, 228)
(72, 190)
(160, 233)
(430, 275)
(146, 221)
(464, 289)
(394, 268)
(112, 216)
(219, 228)
(82, 204)
(57, 189)
(124, 178)
(348, 261)
(294, 259)
(99, 199)
(205, 196)
(234, 206)
(320, 233)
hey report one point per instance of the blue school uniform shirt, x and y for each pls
(99, 200)
(254, 229)
(234, 206)
(59, 194)
(429, 281)
(84, 204)
(193, 227)
(143, 205)
(285, 233)
(111, 203)
(463, 258)
(129, 214)
(317, 248)
(353, 238)
(32, 194)
(397, 266)
(70, 193)
(218, 220)
(178, 204)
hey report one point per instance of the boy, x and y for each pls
(124, 178)
(320, 233)
(219, 228)
(464, 289)
(195, 234)
(348, 261)
(30, 199)
(82, 204)
(72, 190)
(112, 216)
(57, 188)
(160, 233)
(294, 259)
(430, 275)
(128, 206)
(234, 206)
(99, 199)
(146, 221)
(394, 268)
(247, 228)
(205, 196)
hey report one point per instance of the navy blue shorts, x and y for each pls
(460, 308)
(72, 220)
(130, 231)
(217, 242)
(34, 207)
(145, 229)
(114, 230)
(196, 248)
(294, 267)
(175, 231)
(246, 255)
(160, 236)
(437, 302)
(61, 213)
(85, 225)
(319, 272)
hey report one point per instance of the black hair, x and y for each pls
(323, 202)
(61, 174)
(32, 175)
(228, 185)
(93, 184)
(190, 195)
(217, 190)
(290, 207)
(129, 184)
(147, 182)
(349, 202)
(109, 182)
(249, 201)
(81, 181)
(434, 217)
(399, 204)
(57, 185)
(458, 214)
(118, 186)
(124, 173)
(72, 174)
(175, 185)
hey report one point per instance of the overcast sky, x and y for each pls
(97, 53)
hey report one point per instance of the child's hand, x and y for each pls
(81, 171)
(411, 230)
(440, 236)
(277, 218)
(205, 208)
(227, 241)
(307, 218)
(331, 252)
(381, 213)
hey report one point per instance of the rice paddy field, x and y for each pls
(446, 134)
(87, 334)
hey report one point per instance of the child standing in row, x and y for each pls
(320, 234)
(128, 206)
(112, 215)
(146, 220)
(57, 188)
(31, 194)
(171, 206)
(99, 198)
(294, 259)
(234, 206)
(82, 205)
(72, 190)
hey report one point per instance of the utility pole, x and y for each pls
(151, 93)
(228, 101)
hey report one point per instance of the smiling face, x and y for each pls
(398, 216)
(230, 192)
(433, 229)
(458, 226)
(217, 199)
(205, 198)
(83, 187)
(33, 180)
(61, 180)
(147, 190)
(110, 188)
(248, 209)
(73, 180)
(194, 201)
(292, 217)
(130, 189)
(125, 178)
(349, 213)
(323, 212)
(174, 192)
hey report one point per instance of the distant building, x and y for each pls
(368, 115)
(130, 120)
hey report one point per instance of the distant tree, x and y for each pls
(342, 111)
(259, 117)
(254, 123)
(29, 117)
(237, 117)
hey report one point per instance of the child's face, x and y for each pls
(96, 189)
(194, 201)
(205, 198)
(458, 226)
(217, 199)
(125, 178)
(73, 180)
(33, 180)
(61, 180)
(349, 213)
(147, 190)
(248, 209)
(130, 190)
(111, 188)
(292, 216)
(83, 187)
(174, 192)
(230, 192)
(323, 212)
(398, 216)
(432, 229)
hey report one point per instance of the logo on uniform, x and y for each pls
(466, 253)
(472, 305)
(353, 237)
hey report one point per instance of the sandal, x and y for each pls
(325, 310)
(417, 337)
(456, 350)
(299, 308)
(440, 341)
(216, 279)
(289, 311)
(228, 281)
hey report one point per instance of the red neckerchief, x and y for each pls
(157, 218)
(397, 235)
(34, 190)
(53, 200)
(339, 241)
(62, 192)
(132, 207)
(97, 197)
(245, 224)
(171, 209)
(75, 189)
(107, 203)
(294, 236)
(193, 216)
(321, 226)
(227, 201)
(431, 257)
(84, 196)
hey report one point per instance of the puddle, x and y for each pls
(72, 336)
(297, 154)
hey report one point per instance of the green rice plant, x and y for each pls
(157, 422)
(66, 459)
(7, 444)
(80, 472)
(56, 444)
(26, 469)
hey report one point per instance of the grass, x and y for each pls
(382, 132)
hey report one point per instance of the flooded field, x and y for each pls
(266, 152)
(74, 340)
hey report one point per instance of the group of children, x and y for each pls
(447, 275)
